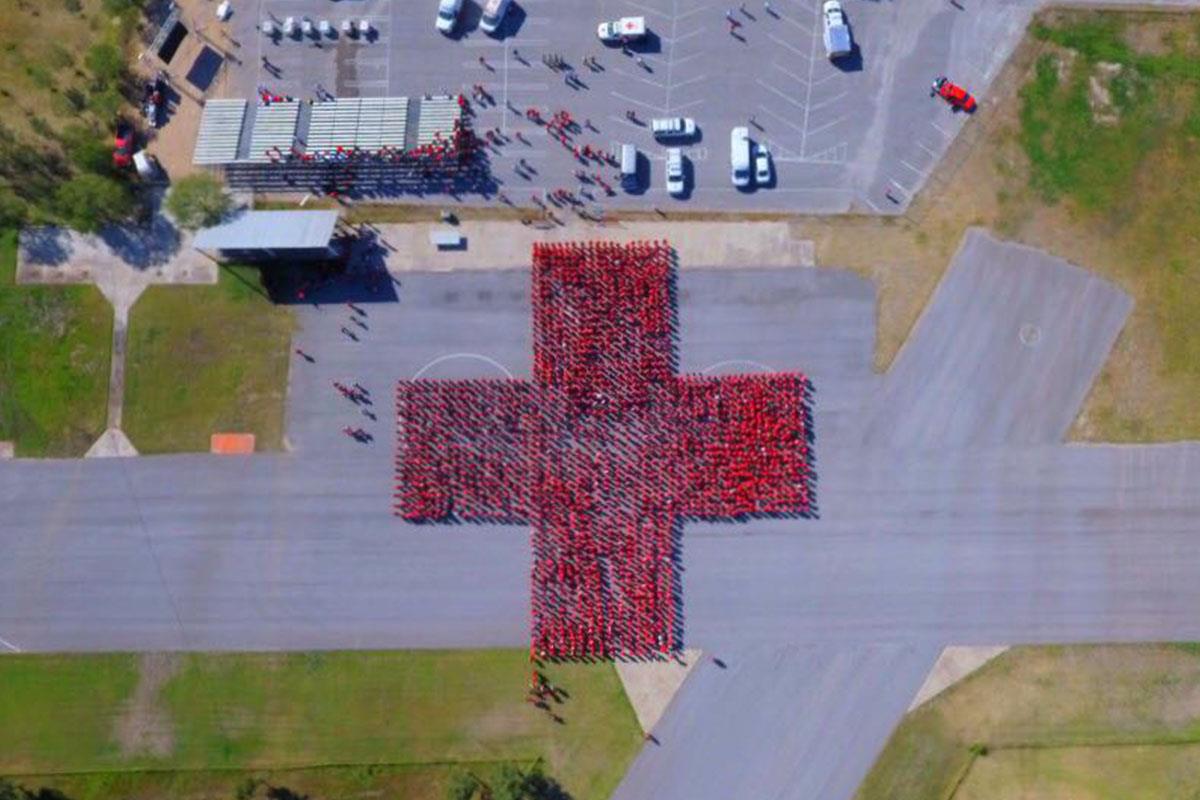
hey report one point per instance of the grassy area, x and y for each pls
(1029, 718)
(1104, 177)
(54, 363)
(206, 359)
(324, 724)
(1086, 773)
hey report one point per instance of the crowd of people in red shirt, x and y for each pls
(605, 451)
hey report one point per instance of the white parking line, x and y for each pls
(914, 169)
(790, 74)
(641, 103)
(647, 10)
(782, 95)
(686, 59)
(685, 83)
(635, 77)
(7, 645)
(824, 103)
(927, 150)
(694, 11)
(825, 127)
(943, 130)
(689, 104)
(807, 31)
(777, 117)
(786, 45)
(686, 36)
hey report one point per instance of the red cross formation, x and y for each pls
(605, 451)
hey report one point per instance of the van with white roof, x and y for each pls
(739, 156)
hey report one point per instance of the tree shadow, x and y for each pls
(47, 246)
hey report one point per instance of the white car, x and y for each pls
(493, 15)
(673, 127)
(447, 15)
(675, 178)
(762, 166)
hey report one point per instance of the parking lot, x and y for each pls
(859, 134)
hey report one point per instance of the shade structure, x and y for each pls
(286, 231)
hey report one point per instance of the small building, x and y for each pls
(257, 236)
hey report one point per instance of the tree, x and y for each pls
(13, 212)
(463, 786)
(198, 201)
(106, 63)
(88, 202)
(87, 149)
(9, 790)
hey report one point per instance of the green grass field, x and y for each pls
(206, 359)
(323, 724)
(55, 343)
(1050, 722)
(1086, 773)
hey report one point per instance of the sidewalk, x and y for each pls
(507, 245)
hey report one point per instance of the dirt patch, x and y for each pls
(145, 727)
(651, 685)
(1100, 95)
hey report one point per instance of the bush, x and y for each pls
(13, 210)
(88, 150)
(106, 63)
(198, 201)
(88, 202)
(462, 786)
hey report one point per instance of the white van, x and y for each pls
(493, 15)
(629, 159)
(739, 156)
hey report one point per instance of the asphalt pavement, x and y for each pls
(860, 133)
(998, 534)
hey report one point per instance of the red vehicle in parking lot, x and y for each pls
(953, 94)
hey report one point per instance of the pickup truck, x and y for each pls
(838, 43)
(625, 29)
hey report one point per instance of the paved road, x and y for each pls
(977, 540)
(776, 710)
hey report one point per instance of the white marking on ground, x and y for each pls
(476, 356)
(7, 645)
(732, 361)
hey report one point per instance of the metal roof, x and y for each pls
(274, 130)
(438, 115)
(220, 132)
(366, 123)
(270, 230)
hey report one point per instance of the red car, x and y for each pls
(953, 94)
(123, 145)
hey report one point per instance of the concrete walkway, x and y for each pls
(121, 262)
(505, 245)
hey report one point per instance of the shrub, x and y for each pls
(198, 201)
(88, 202)
(106, 63)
